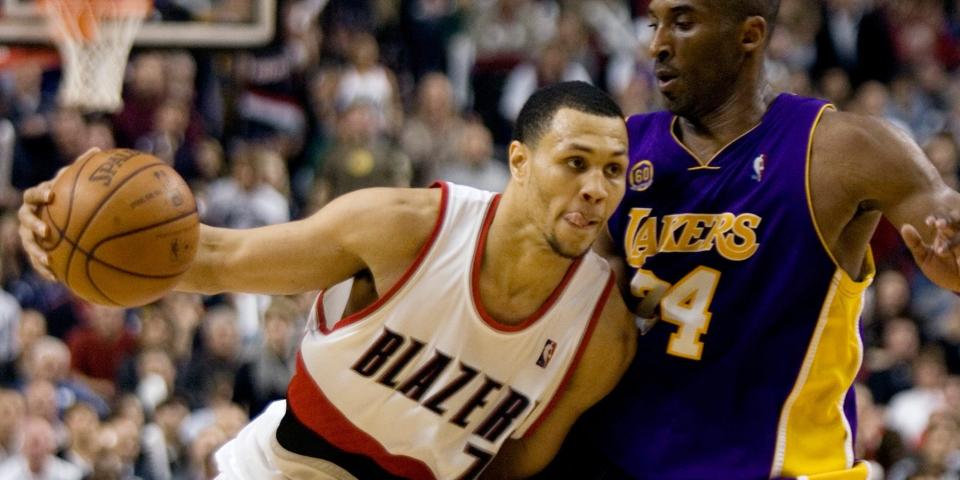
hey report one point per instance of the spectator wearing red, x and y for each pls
(99, 348)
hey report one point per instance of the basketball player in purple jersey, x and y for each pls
(744, 231)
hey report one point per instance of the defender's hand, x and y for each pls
(32, 227)
(940, 259)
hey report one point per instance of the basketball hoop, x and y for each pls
(94, 39)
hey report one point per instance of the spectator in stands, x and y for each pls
(36, 458)
(551, 64)
(431, 136)
(265, 378)
(854, 37)
(168, 140)
(51, 300)
(366, 79)
(100, 135)
(937, 455)
(83, 427)
(127, 446)
(9, 326)
(187, 311)
(156, 377)
(164, 453)
(361, 157)
(144, 91)
(245, 200)
(909, 411)
(949, 339)
(12, 411)
(429, 22)
(201, 461)
(890, 367)
(49, 360)
(874, 441)
(100, 347)
(943, 152)
(214, 367)
(474, 164)
(502, 34)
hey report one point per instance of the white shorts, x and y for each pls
(255, 454)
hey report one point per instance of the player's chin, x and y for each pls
(675, 103)
(573, 245)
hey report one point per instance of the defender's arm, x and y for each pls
(880, 168)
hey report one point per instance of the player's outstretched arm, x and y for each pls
(890, 173)
(604, 361)
(377, 229)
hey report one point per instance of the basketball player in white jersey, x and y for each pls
(493, 327)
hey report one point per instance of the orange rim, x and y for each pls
(80, 19)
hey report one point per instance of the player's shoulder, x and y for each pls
(409, 203)
(642, 121)
(386, 214)
(858, 136)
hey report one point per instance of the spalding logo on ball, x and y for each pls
(124, 228)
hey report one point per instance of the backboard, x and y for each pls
(226, 24)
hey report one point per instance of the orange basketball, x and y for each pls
(124, 228)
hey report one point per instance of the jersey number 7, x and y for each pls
(685, 304)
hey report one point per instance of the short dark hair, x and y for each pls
(538, 112)
(767, 9)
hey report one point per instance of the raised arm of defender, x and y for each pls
(877, 169)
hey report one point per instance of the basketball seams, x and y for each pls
(86, 268)
(66, 225)
(92, 254)
(120, 245)
(136, 274)
(103, 201)
(114, 267)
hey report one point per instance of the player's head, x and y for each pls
(707, 51)
(568, 159)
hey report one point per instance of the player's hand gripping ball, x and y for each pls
(124, 228)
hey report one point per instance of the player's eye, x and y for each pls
(576, 163)
(613, 170)
(683, 23)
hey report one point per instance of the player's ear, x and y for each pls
(518, 156)
(754, 33)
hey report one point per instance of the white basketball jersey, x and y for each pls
(424, 381)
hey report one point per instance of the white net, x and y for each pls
(94, 40)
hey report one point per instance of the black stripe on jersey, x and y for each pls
(297, 438)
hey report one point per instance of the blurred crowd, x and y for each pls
(361, 93)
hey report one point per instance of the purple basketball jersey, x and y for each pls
(748, 373)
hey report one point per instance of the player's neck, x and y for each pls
(518, 267)
(709, 132)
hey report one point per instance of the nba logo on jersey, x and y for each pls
(547, 353)
(758, 167)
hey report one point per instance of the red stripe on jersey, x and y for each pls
(475, 280)
(422, 254)
(315, 410)
(585, 340)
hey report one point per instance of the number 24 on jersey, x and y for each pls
(685, 304)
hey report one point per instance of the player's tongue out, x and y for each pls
(577, 219)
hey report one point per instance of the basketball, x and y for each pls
(124, 228)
